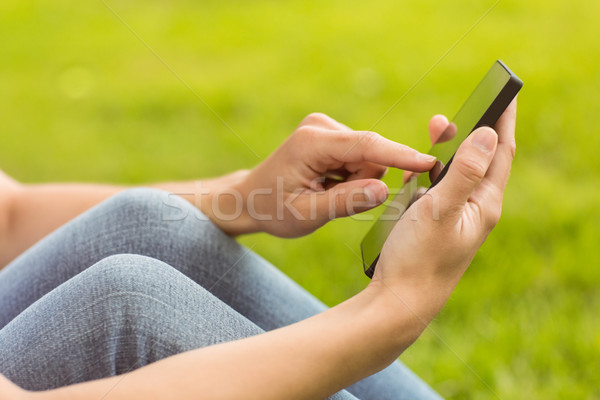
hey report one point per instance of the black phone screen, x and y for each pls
(483, 108)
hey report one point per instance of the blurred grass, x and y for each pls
(83, 99)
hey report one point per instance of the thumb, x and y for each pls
(469, 165)
(349, 198)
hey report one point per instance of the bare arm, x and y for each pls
(323, 354)
(28, 212)
(307, 360)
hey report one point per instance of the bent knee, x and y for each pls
(132, 299)
(127, 273)
(147, 203)
(139, 199)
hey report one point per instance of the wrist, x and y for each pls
(408, 309)
(224, 201)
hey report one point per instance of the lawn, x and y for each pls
(130, 91)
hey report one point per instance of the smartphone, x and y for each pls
(484, 107)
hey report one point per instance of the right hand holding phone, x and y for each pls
(434, 242)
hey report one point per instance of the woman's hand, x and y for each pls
(434, 242)
(324, 170)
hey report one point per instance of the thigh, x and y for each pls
(124, 312)
(165, 227)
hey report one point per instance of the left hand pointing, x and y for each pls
(324, 170)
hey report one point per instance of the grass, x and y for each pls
(84, 100)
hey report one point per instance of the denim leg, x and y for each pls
(122, 313)
(165, 227)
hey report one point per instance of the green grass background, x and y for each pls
(82, 99)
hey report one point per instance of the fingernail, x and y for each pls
(485, 139)
(425, 157)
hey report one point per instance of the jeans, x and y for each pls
(140, 277)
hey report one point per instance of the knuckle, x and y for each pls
(512, 147)
(369, 139)
(305, 133)
(492, 210)
(471, 169)
(315, 117)
(493, 218)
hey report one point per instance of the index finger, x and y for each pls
(364, 146)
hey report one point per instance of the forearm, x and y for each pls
(31, 211)
(308, 360)
(36, 210)
(221, 199)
